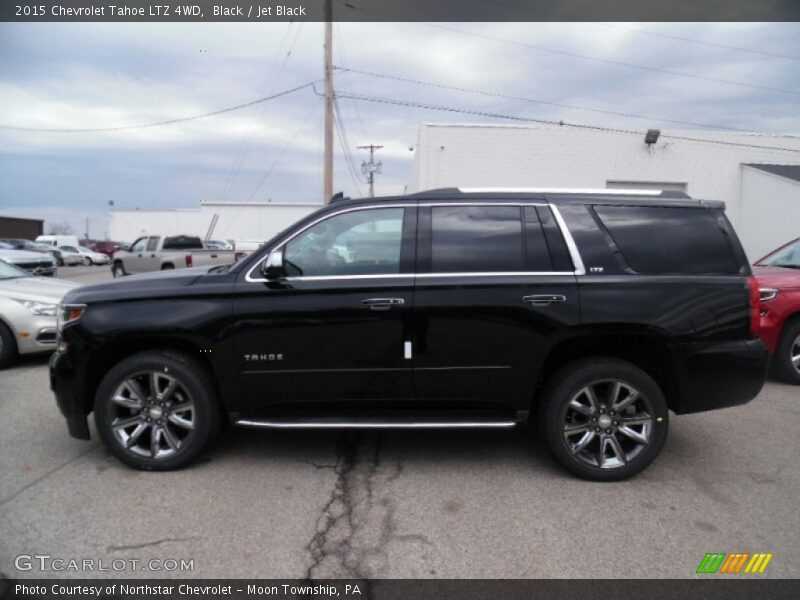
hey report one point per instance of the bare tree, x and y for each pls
(62, 228)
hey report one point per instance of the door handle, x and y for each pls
(383, 303)
(543, 299)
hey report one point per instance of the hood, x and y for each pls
(41, 289)
(158, 284)
(14, 256)
(777, 277)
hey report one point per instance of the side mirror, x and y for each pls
(272, 268)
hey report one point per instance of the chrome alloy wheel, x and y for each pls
(794, 353)
(152, 415)
(608, 423)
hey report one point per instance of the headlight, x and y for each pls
(40, 309)
(69, 313)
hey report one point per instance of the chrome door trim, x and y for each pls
(577, 261)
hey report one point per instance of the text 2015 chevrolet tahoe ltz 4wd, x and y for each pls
(590, 315)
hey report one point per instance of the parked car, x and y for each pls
(22, 244)
(58, 240)
(71, 256)
(106, 247)
(90, 257)
(28, 309)
(159, 253)
(36, 263)
(590, 315)
(778, 275)
(219, 244)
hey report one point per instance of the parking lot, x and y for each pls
(398, 504)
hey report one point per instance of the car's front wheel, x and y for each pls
(604, 419)
(118, 270)
(157, 410)
(786, 362)
(8, 346)
(87, 261)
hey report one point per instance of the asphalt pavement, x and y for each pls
(395, 503)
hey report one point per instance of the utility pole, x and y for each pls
(327, 186)
(86, 235)
(370, 168)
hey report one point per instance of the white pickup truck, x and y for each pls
(156, 253)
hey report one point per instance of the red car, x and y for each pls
(106, 247)
(778, 275)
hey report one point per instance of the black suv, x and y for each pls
(589, 314)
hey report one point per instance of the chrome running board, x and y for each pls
(371, 424)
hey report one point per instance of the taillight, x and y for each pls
(755, 306)
(188, 260)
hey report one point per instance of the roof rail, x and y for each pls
(535, 190)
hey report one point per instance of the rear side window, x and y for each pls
(476, 239)
(152, 243)
(182, 242)
(658, 239)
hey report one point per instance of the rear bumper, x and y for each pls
(64, 378)
(722, 375)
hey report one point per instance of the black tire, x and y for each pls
(118, 269)
(60, 262)
(167, 267)
(8, 346)
(194, 387)
(558, 414)
(87, 261)
(788, 346)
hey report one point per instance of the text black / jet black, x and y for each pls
(592, 314)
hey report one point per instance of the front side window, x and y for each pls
(788, 257)
(139, 245)
(476, 239)
(361, 242)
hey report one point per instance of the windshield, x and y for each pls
(8, 271)
(788, 256)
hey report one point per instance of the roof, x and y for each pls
(788, 171)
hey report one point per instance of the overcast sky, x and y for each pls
(65, 75)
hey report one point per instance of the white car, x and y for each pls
(71, 256)
(28, 309)
(90, 257)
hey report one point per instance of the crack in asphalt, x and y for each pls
(148, 544)
(358, 523)
(44, 476)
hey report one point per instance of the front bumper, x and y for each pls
(65, 376)
(722, 375)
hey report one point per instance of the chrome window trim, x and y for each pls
(577, 261)
(570, 242)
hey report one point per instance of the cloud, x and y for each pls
(104, 74)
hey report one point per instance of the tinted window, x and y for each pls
(182, 242)
(670, 240)
(476, 239)
(152, 243)
(362, 242)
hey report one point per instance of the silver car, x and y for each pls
(28, 308)
(36, 263)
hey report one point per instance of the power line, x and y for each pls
(161, 123)
(609, 61)
(345, 144)
(551, 103)
(618, 63)
(562, 16)
(559, 123)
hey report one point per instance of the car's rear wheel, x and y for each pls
(786, 361)
(157, 410)
(8, 346)
(118, 270)
(604, 419)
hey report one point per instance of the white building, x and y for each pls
(760, 186)
(235, 220)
